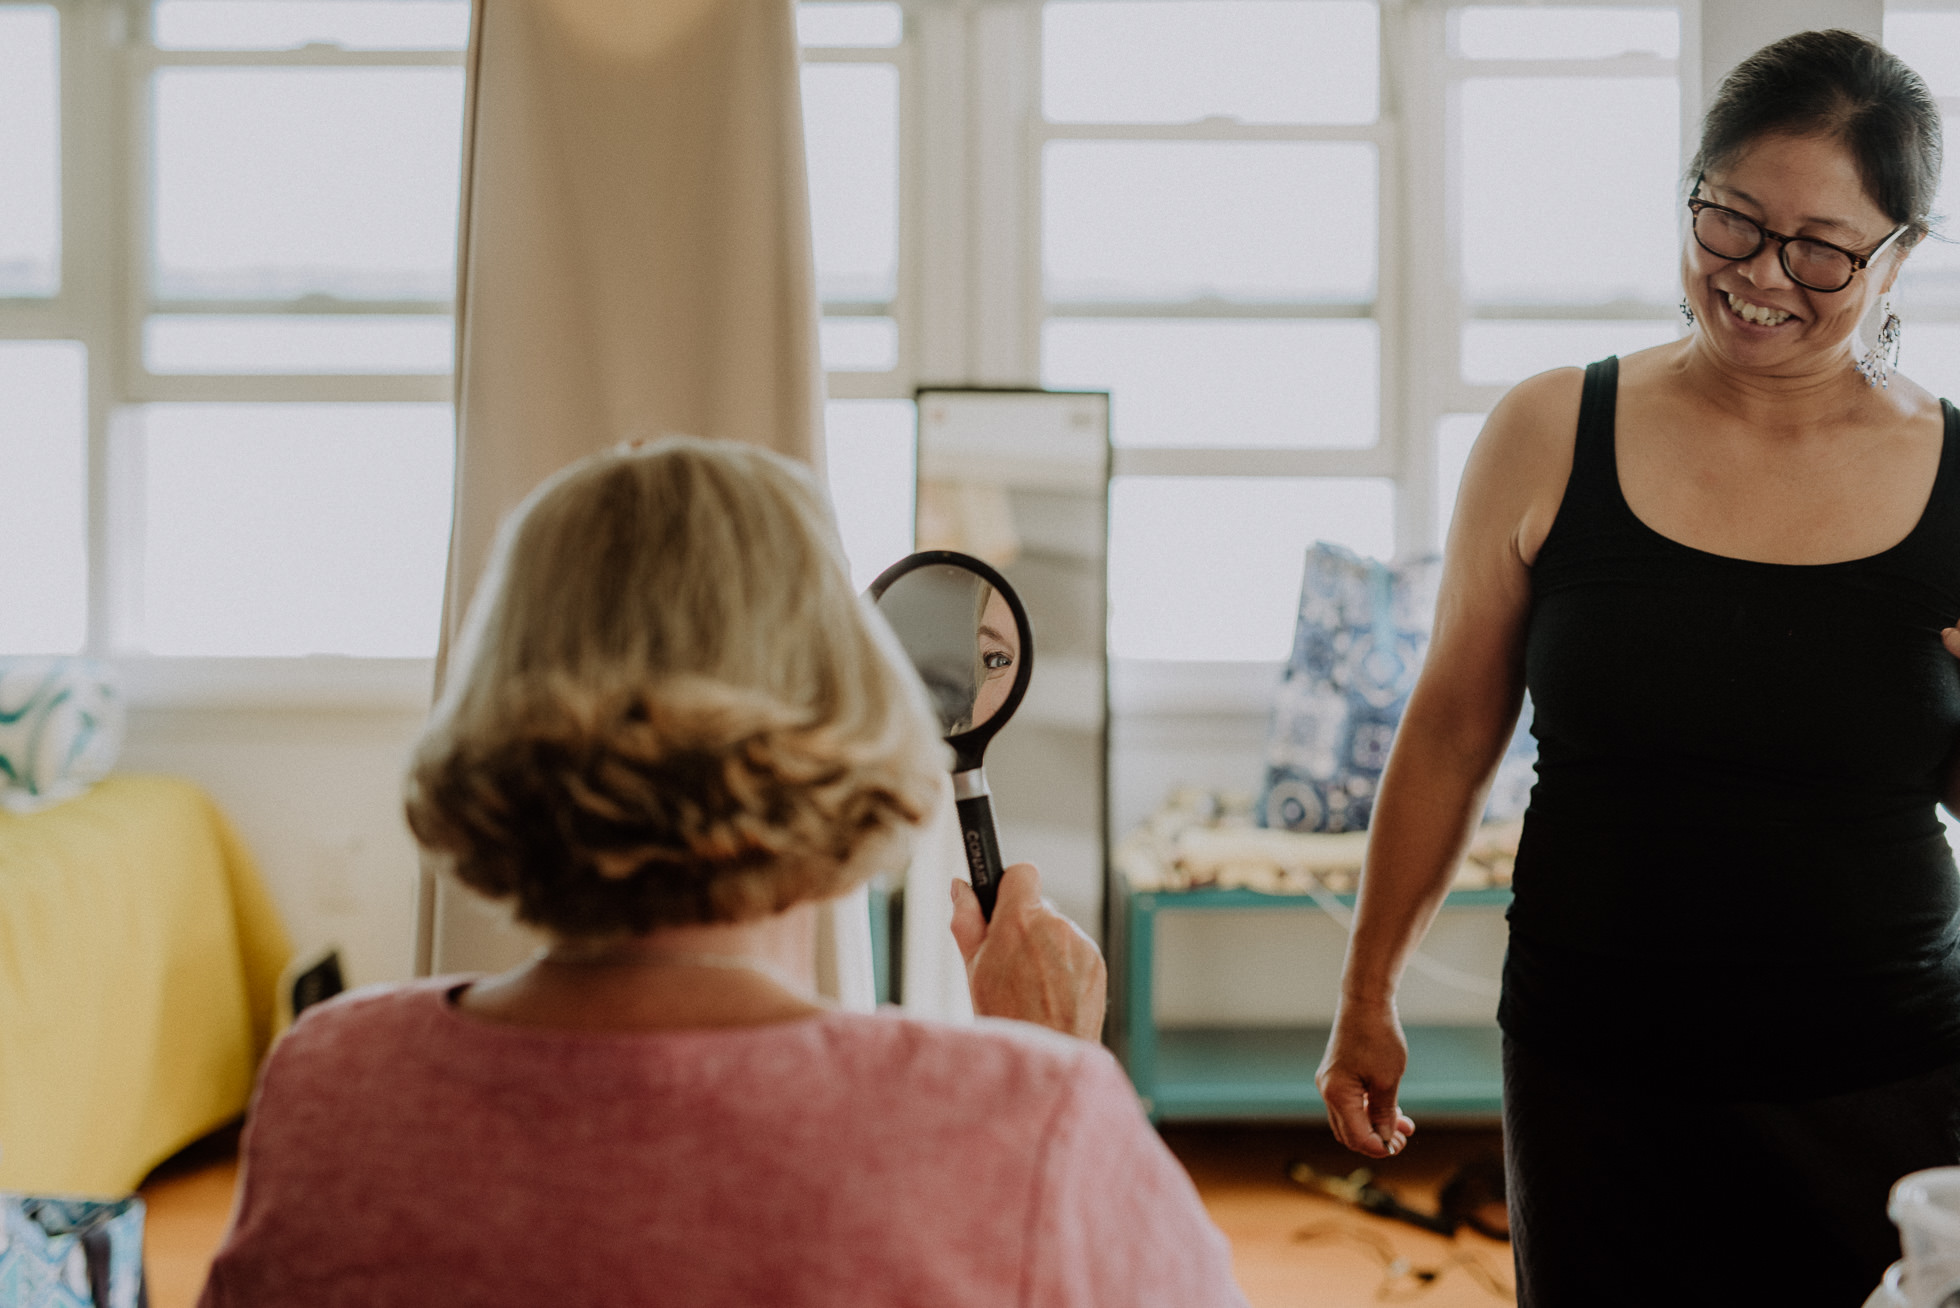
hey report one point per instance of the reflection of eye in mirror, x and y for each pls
(997, 654)
(966, 634)
(934, 611)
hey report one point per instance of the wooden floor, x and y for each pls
(1295, 1249)
(1291, 1249)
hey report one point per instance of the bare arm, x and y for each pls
(1453, 734)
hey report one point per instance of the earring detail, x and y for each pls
(1879, 361)
(1687, 312)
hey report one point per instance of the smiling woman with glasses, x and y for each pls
(1809, 262)
(1727, 570)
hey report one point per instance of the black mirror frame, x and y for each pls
(970, 745)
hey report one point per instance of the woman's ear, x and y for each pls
(1898, 262)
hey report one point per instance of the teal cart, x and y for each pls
(1265, 1072)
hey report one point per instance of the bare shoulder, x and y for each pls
(1914, 402)
(1516, 476)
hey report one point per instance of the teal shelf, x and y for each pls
(1267, 1072)
(1200, 900)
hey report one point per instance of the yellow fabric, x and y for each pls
(139, 964)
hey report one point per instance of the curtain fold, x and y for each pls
(634, 260)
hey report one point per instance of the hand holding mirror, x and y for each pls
(967, 635)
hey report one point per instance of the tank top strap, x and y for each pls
(1595, 472)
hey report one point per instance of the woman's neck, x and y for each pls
(722, 974)
(1816, 393)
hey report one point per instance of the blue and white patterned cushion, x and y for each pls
(1361, 635)
(61, 729)
(42, 1264)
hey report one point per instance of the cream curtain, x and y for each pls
(635, 260)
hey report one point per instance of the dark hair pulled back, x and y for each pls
(1843, 85)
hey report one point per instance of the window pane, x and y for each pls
(287, 24)
(1569, 188)
(285, 182)
(868, 452)
(859, 344)
(1500, 353)
(850, 124)
(1929, 353)
(1930, 43)
(1209, 567)
(298, 343)
(1455, 434)
(1932, 274)
(1185, 220)
(875, 24)
(44, 450)
(1233, 383)
(1179, 61)
(291, 529)
(1548, 32)
(30, 151)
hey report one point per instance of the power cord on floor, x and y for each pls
(1402, 1280)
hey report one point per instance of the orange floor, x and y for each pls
(1291, 1249)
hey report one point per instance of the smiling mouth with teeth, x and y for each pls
(1759, 314)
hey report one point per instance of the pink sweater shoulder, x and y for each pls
(402, 1152)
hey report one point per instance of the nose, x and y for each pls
(1765, 267)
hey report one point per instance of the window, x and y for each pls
(1303, 242)
(1928, 291)
(1561, 177)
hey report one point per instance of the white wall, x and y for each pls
(313, 786)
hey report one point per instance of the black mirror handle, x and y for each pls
(977, 836)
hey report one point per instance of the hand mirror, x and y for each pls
(966, 633)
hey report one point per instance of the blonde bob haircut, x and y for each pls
(669, 704)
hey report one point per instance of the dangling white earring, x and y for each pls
(1879, 361)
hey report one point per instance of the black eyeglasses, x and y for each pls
(1812, 263)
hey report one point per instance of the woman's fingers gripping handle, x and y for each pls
(1030, 962)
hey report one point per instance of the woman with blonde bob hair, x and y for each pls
(672, 730)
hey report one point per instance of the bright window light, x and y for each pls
(1234, 220)
(876, 25)
(275, 183)
(1208, 568)
(1929, 41)
(1932, 273)
(1502, 352)
(294, 529)
(295, 344)
(1565, 32)
(1232, 383)
(1929, 353)
(859, 344)
(1570, 187)
(868, 449)
(850, 125)
(1180, 61)
(44, 452)
(289, 24)
(30, 151)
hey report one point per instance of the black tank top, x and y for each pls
(1732, 869)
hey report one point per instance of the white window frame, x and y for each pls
(969, 305)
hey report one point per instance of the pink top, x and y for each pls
(401, 1151)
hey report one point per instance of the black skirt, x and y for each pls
(1655, 1195)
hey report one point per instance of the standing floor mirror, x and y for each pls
(1020, 479)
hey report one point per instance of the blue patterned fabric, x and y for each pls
(42, 1260)
(1362, 632)
(61, 728)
